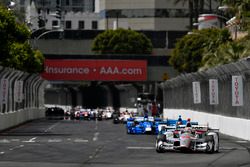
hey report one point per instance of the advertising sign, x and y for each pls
(95, 70)
(196, 92)
(237, 91)
(213, 91)
(4, 91)
(18, 91)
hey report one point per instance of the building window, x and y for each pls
(77, 2)
(67, 3)
(54, 23)
(93, 5)
(68, 24)
(22, 2)
(81, 25)
(94, 25)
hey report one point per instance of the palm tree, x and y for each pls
(224, 54)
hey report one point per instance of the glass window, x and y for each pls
(54, 23)
(94, 25)
(77, 2)
(81, 25)
(67, 3)
(76, 9)
(68, 24)
(143, 13)
(22, 2)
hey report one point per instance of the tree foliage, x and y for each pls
(187, 56)
(15, 51)
(123, 42)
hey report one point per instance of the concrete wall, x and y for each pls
(11, 119)
(232, 126)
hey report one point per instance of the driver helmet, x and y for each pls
(188, 123)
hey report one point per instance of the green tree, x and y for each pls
(240, 9)
(15, 51)
(187, 56)
(123, 42)
(224, 54)
(4, 2)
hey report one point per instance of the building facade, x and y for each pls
(74, 14)
(158, 15)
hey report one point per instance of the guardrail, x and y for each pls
(21, 97)
(215, 96)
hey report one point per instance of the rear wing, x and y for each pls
(204, 127)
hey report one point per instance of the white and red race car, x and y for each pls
(195, 138)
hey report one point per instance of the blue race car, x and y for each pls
(150, 125)
(140, 125)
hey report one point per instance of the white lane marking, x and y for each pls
(140, 148)
(51, 127)
(2, 153)
(54, 140)
(15, 140)
(241, 141)
(32, 140)
(232, 148)
(81, 141)
(13, 148)
(96, 124)
(95, 138)
(4, 141)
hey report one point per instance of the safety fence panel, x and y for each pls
(21, 97)
(223, 90)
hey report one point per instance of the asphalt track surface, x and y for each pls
(78, 143)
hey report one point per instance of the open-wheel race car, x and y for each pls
(140, 125)
(195, 138)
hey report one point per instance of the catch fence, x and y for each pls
(21, 97)
(228, 84)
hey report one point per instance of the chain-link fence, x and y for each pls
(179, 92)
(21, 97)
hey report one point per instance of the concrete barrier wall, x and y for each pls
(11, 119)
(21, 97)
(232, 126)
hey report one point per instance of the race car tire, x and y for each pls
(128, 131)
(218, 145)
(158, 148)
(210, 145)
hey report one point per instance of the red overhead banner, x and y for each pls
(95, 70)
